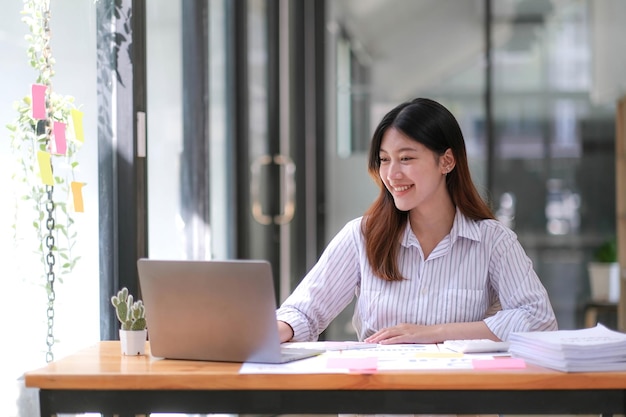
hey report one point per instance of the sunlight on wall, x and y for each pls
(76, 319)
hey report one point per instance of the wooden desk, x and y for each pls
(99, 379)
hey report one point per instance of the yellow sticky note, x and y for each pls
(45, 168)
(77, 122)
(77, 193)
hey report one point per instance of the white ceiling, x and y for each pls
(410, 45)
(407, 43)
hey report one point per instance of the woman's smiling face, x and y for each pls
(412, 173)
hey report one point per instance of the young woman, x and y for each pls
(427, 262)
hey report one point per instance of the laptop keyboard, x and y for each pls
(292, 354)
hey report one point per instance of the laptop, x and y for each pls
(213, 311)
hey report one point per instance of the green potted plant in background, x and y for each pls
(604, 273)
(131, 315)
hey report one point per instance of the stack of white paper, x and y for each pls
(585, 350)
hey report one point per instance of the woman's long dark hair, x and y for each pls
(432, 125)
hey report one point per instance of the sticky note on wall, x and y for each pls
(59, 138)
(77, 194)
(77, 123)
(38, 102)
(45, 168)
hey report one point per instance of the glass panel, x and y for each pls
(169, 236)
(554, 170)
(76, 315)
(165, 129)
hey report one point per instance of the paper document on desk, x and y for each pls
(585, 350)
(367, 360)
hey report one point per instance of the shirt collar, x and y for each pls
(461, 227)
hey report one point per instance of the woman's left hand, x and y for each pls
(437, 333)
(405, 333)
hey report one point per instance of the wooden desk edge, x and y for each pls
(111, 371)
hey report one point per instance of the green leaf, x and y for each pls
(607, 252)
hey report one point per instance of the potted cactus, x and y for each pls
(131, 315)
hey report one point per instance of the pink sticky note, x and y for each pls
(38, 92)
(498, 363)
(353, 364)
(59, 138)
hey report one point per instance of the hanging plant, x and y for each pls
(45, 139)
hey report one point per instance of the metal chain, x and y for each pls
(50, 206)
(50, 261)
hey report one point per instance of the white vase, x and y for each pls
(133, 342)
(604, 281)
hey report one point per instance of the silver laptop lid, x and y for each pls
(210, 310)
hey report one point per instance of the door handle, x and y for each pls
(287, 189)
(255, 190)
(288, 186)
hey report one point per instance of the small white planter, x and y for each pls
(604, 281)
(133, 342)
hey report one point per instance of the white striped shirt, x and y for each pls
(473, 266)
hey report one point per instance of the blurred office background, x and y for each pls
(533, 83)
(258, 119)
